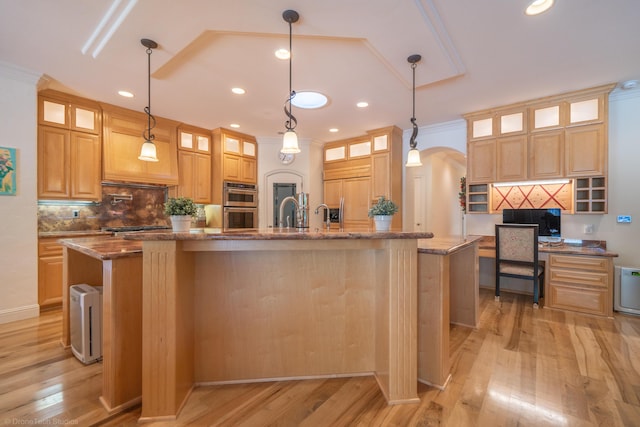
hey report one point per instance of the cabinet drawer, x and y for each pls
(579, 262)
(593, 301)
(578, 278)
(49, 247)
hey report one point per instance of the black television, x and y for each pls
(548, 220)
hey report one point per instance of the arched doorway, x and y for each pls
(431, 192)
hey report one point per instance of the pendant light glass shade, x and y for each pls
(413, 158)
(148, 152)
(290, 143)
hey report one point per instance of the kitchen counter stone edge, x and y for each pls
(276, 234)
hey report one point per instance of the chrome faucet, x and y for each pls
(326, 211)
(302, 210)
(284, 202)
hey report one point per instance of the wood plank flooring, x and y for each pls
(521, 367)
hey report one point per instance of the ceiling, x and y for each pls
(475, 55)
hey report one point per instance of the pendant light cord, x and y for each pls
(292, 122)
(414, 133)
(147, 135)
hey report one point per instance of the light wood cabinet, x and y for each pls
(66, 111)
(586, 151)
(591, 195)
(195, 176)
(511, 158)
(69, 160)
(481, 161)
(235, 158)
(561, 136)
(546, 155)
(194, 164)
(357, 194)
(123, 138)
(580, 283)
(194, 139)
(49, 272)
(370, 165)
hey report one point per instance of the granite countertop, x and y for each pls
(275, 234)
(567, 246)
(74, 233)
(445, 245)
(104, 247)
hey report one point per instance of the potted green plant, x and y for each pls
(382, 213)
(181, 210)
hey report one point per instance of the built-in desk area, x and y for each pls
(578, 274)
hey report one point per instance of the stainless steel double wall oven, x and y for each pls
(240, 206)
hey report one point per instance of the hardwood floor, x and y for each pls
(521, 367)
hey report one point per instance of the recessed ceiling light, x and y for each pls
(234, 125)
(238, 91)
(362, 104)
(538, 6)
(333, 130)
(125, 93)
(309, 100)
(282, 54)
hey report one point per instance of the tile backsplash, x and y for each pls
(144, 209)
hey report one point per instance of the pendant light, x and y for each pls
(148, 151)
(413, 158)
(290, 139)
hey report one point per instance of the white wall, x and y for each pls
(18, 214)
(305, 171)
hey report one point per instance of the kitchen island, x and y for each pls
(116, 265)
(266, 305)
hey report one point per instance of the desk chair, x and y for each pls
(517, 256)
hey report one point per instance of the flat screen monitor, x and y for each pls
(548, 220)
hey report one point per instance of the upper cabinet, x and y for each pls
(563, 136)
(194, 163)
(69, 145)
(369, 166)
(123, 138)
(235, 158)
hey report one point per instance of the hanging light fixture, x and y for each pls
(413, 159)
(148, 151)
(290, 139)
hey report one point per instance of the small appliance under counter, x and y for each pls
(626, 294)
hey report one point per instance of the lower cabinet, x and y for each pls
(580, 283)
(49, 273)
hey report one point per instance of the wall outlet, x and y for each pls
(76, 213)
(588, 229)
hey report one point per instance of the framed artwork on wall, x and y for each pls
(8, 166)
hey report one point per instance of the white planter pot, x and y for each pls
(180, 223)
(383, 222)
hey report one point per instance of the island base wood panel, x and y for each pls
(448, 293)
(305, 309)
(121, 279)
(167, 336)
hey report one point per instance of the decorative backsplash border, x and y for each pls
(537, 196)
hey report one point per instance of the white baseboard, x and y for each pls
(19, 313)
